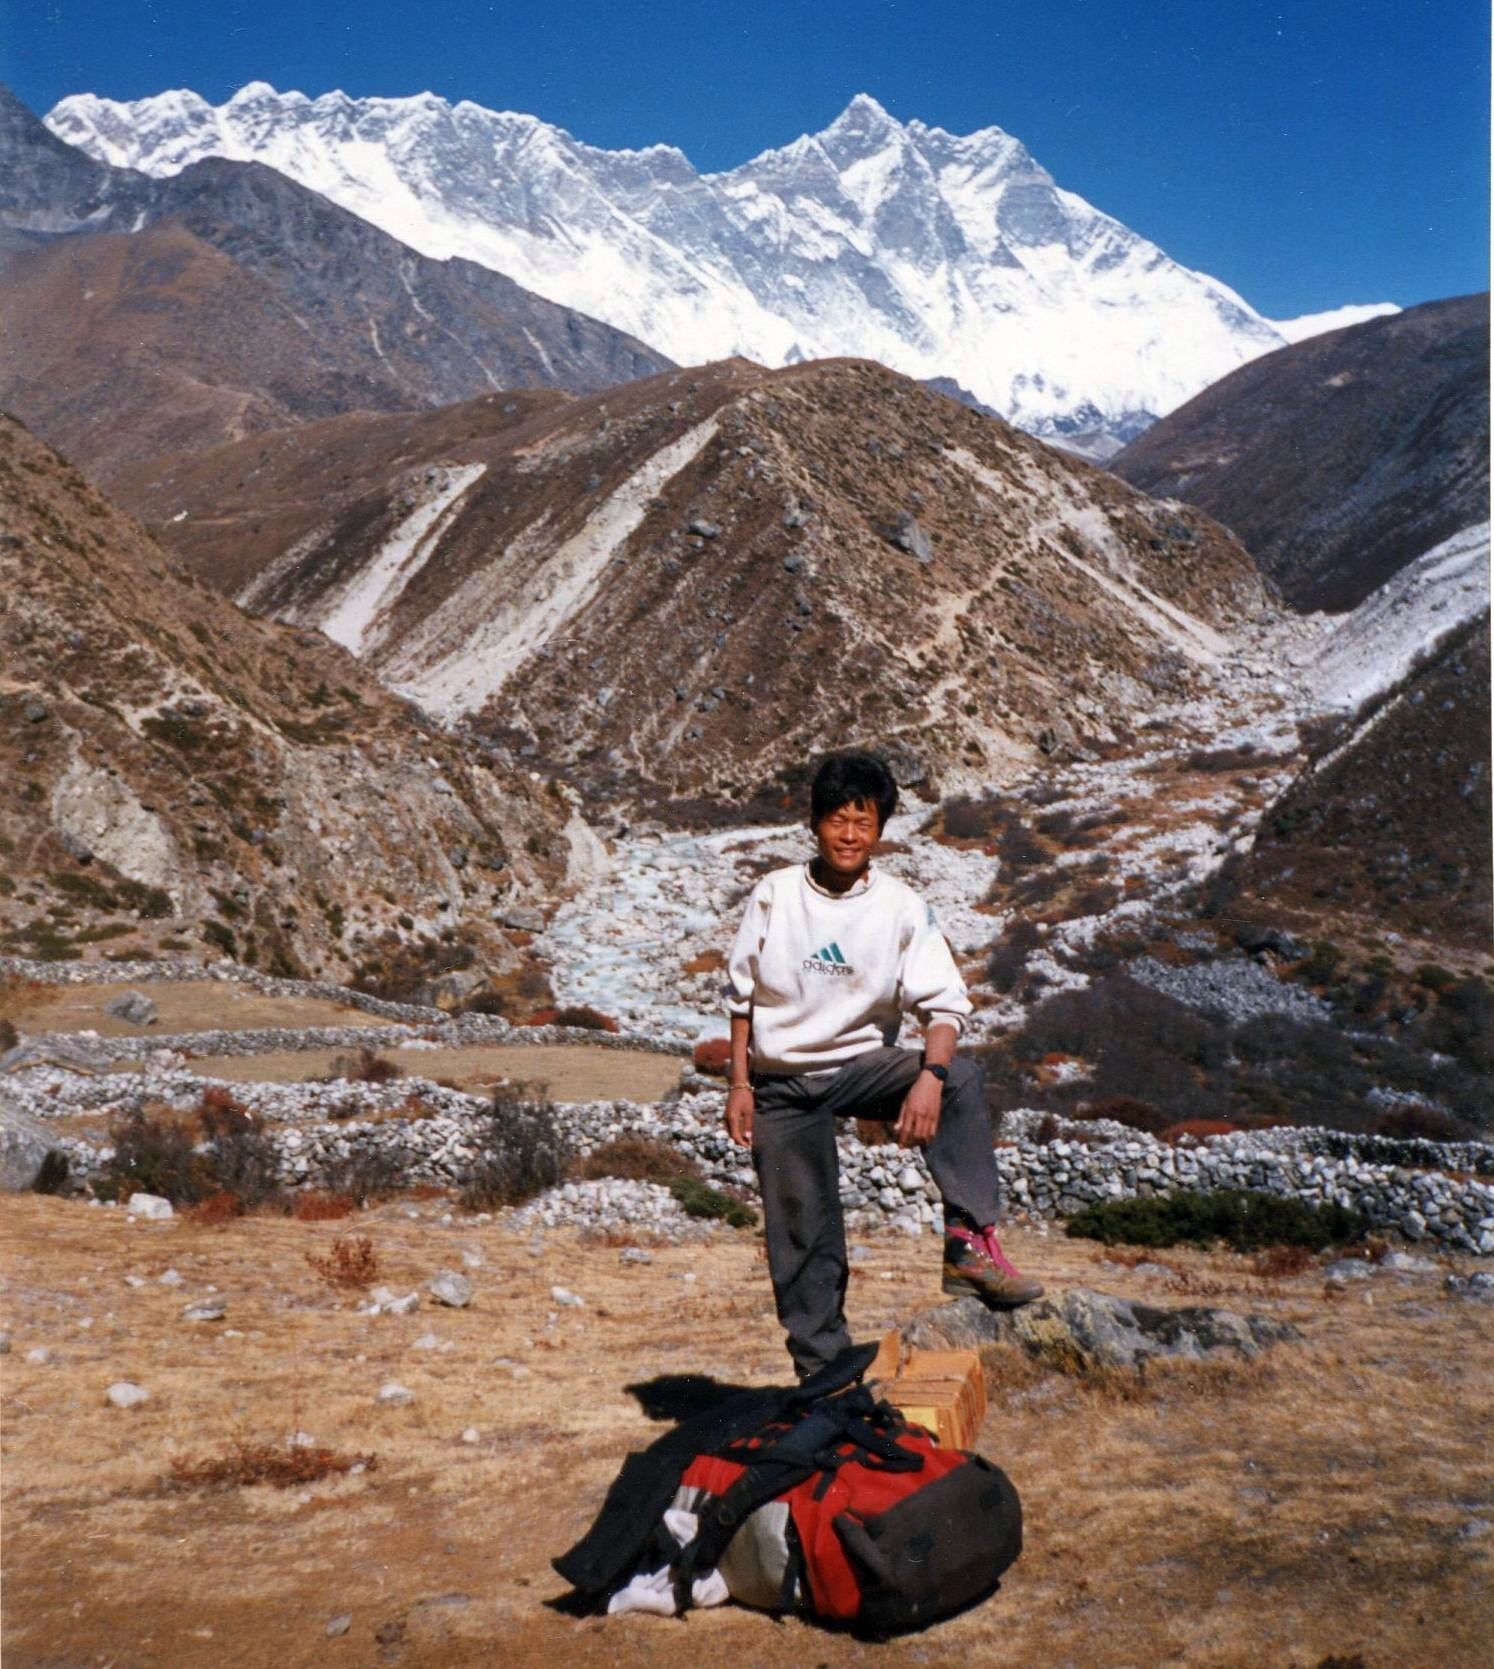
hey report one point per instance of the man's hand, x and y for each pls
(739, 1109)
(919, 1117)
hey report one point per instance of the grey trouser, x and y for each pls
(793, 1148)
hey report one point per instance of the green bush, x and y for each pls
(1244, 1221)
(699, 1199)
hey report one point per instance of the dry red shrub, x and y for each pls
(282, 1466)
(349, 1263)
(314, 1206)
(713, 1056)
(216, 1209)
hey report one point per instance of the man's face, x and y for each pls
(846, 837)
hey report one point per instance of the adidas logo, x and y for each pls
(829, 959)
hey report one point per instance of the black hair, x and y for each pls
(852, 779)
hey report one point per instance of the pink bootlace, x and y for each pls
(985, 1239)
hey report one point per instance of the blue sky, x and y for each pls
(1309, 154)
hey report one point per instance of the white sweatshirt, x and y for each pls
(827, 976)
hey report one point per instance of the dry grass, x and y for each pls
(574, 1072)
(188, 1005)
(1252, 1517)
(282, 1466)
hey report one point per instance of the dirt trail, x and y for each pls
(1314, 1504)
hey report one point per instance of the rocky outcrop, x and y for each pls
(25, 1143)
(1081, 1329)
(181, 776)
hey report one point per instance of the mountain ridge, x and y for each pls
(937, 254)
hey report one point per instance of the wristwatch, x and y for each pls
(940, 1072)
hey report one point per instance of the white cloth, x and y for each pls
(827, 976)
(654, 1590)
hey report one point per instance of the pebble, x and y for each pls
(393, 1392)
(339, 1626)
(471, 1435)
(634, 1254)
(205, 1309)
(124, 1393)
(431, 1341)
(40, 1356)
(170, 1279)
(564, 1296)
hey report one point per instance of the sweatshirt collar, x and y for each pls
(863, 885)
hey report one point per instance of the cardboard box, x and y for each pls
(941, 1390)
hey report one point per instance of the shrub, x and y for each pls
(1009, 955)
(216, 1210)
(1320, 964)
(1129, 1110)
(287, 1466)
(1244, 1221)
(699, 1199)
(579, 1015)
(1277, 1262)
(349, 1264)
(713, 1056)
(638, 1159)
(9, 1037)
(370, 1171)
(315, 1206)
(244, 1161)
(521, 1149)
(1415, 1122)
(1435, 978)
(154, 1154)
(365, 1067)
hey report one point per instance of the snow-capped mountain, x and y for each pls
(939, 255)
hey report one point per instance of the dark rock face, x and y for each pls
(1339, 459)
(24, 1143)
(258, 302)
(1082, 1328)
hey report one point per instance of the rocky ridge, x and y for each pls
(149, 316)
(683, 585)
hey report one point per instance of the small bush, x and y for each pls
(244, 1161)
(216, 1210)
(365, 1067)
(1129, 1110)
(1008, 960)
(521, 1149)
(1320, 965)
(578, 1015)
(154, 1154)
(370, 1171)
(1415, 1122)
(287, 1466)
(348, 1264)
(713, 1057)
(1244, 1221)
(699, 1199)
(1278, 1262)
(638, 1159)
(1435, 978)
(314, 1205)
(9, 1037)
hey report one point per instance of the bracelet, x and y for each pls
(740, 1086)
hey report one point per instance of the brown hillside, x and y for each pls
(689, 581)
(1389, 825)
(173, 772)
(1339, 459)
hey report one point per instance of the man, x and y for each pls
(829, 956)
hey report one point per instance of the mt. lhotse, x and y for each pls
(939, 255)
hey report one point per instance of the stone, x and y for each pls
(204, 1309)
(793, 563)
(451, 1289)
(124, 1393)
(24, 1141)
(339, 1625)
(472, 1435)
(1474, 1529)
(149, 1206)
(566, 1298)
(1080, 1327)
(170, 1278)
(908, 536)
(39, 1357)
(635, 1254)
(704, 529)
(1348, 1269)
(134, 1007)
(395, 1394)
(520, 917)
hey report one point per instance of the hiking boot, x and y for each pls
(974, 1264)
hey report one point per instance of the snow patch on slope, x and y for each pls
(359, 617)
(1365, 652)
(471, 645)
(1315, 324)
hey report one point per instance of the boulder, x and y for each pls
(150, 1206)
(135, 1008)
(24, 1143)
(451, 1289)
(1081, 1328)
